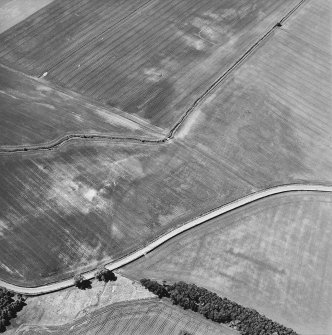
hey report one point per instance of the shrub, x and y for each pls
(10, 305)
(157, 289)
(81, 282)
(103, 274)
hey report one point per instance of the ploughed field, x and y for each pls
(14, 11)
(87, 202)
(276, 103)
(272, 255)
(35, 113)
(141, 317)
(66, 210)
(152, 58)
(65, 306)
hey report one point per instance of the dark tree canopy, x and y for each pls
(10, 305)
(81, 282)
(198, 299)
(103, 274)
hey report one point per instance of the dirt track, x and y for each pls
(162, 239)
(173, 130)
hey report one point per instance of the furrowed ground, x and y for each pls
(84, 203)
(272, 255)
(276, 102)
(14, 11)
(151, 58)
(68, 305)
(35, 113)
(88, 202)
(143, 317)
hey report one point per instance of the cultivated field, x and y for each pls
(273, 114)
(272, 255)
(86, 202)
(144, 317)
(151, 58)
(14, 11)
(35, 113)
(68, 209)
(65, 306)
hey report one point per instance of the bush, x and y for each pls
(157, 289)
(81, 282)
(10, 305)
(103, 274)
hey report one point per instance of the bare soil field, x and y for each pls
(89, 201)
(151, 58)
(93, 201)
(143, 317)
(272, 255)
(14, 11)
(65, 306)
(35, 113)
(274, 112)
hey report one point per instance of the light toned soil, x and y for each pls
(142, 251)
(152, 58)
(35, 113)
(274, 112)
(89, 202)
(144, 317)
(65, 306)
(98, 201)
(15, 11)
(272, 255)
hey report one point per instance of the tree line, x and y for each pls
(101, 274)
(222, 310)
(10, 304)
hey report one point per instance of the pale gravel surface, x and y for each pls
(59, 308)
(162, 239)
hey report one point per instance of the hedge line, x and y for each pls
(10, 304)
(189, 296)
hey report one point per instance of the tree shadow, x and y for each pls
(106, 276)
(85, 285)
(110, 276)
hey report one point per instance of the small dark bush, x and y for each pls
(10, 305)
(103, 274)
(81, 282)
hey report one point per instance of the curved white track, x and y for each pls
(162, 239)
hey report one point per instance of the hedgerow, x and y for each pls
(10, 304)
(189, 296)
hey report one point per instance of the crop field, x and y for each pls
(65, 306)
(91, 201)
(32, 112)
(14, 11)
(87, 201)
(273, 114)
(144, 317)
(272, 255)
(151, 58)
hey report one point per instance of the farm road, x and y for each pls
(162, 239)
(197, 221)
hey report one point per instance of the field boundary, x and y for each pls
(233, 67)
(171, 134)
(38, 290)
(95, 314)
(47, 146)
(129, 15)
